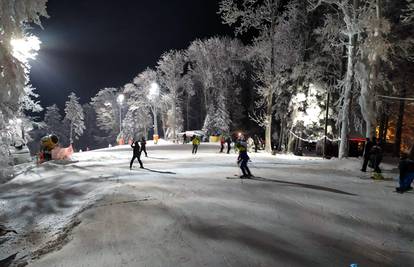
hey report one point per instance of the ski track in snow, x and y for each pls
(182, 211)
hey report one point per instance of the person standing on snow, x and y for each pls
(376, 157)
(222, 141)
(256, 143)
(184, 138)
(228, 141)
(406, 167)
(367, 153)
(196, 143)
(136, 155)
(243, 159)
(143, 146)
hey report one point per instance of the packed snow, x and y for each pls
(183, 211)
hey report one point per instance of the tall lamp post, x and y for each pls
(120, 100)
(154, 92)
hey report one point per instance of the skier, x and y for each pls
(367, 153)
(196, 143)
(243, 159)
(184, 138)
(222, 141)
(376, 157)
(228, 141)
(406, 167)
(256, 143)
(137, 155)
(143, 146)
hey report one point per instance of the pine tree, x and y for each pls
(74, 115)
(53, 120)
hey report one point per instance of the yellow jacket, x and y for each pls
(196, 141)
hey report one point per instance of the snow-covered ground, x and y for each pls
(182, 211)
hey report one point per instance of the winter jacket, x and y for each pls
(405, 166)
(196, 141)
(136, 148)
(367, 150)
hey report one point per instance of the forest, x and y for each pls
(295, 71)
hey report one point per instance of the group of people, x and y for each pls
(251, 142)
(373, 156)
(227, 141)
(241, 146)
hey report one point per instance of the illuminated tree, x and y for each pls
(75, 117)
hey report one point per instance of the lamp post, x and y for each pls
(154, 92)
(120, 100)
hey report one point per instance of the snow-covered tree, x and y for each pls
(136, 123)
(273, 28)
(75, 117)
(350, 15)
(216, 63)
(16, 46)
(278, 77)
(144, 96)
(53, 120)
(170, 74)
(107, 111)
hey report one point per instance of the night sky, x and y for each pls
(92, 44)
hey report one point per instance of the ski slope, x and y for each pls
(182, 211)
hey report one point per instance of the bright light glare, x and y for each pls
(25, 48)
(154, 90)
(120, 98)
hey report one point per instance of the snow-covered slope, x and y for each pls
(182, 211)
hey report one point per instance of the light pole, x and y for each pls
(154, 92)
(120, 100)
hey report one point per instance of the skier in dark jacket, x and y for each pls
(243, 159)
(228, 141)
(406, 167)
(136, 155)
(367, 153)
(376, 157)
(143, 146)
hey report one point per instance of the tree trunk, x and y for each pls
(269, 100)
(326, 125)
(398, 134)
(387, 120)
(71, 133)
(281, 135)
(174, 115)
(291, 143)
(343, 147)
(154, 112)
(268, 132)
(370, 105)
(187, 113)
